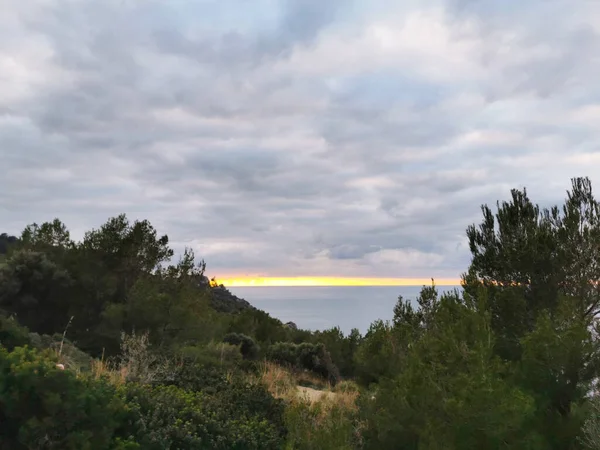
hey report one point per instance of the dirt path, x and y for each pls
(314, 395)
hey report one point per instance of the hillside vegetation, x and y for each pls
(156, 356)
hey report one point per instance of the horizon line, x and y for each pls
(331, 281)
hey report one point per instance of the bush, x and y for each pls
(231, 391)
(196, 377)
(248, 348)
(140, 362)
(12, 334)
(324, 425)
(164, 417)
(205, 368)
(243, 399)
(68, 353)
(43, 407)
(213, 354)
(305, 356)
(347, 387)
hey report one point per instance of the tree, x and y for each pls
(591, 428)
(35, 289)
(533, 262)
(126, 250)
(46, 236)
(168, 304)
(376, 357)
(543, 252)
(342, 348)
(450, 390)
(108, 264)
(6, 242)
(559, 363)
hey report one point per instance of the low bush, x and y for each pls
(168, 417)
(205, 368)
(322, 425)
(12, 334)
(248, 348)
(42, 407)
(347, 387)
(68, 354)
(244, 399)
(306, 356)
(213, 354)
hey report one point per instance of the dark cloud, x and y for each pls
(294, 137)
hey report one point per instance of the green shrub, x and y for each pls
(231, 391)
(248, 348)
(243, 399)
(196, 377)
(320, 426)
(71, 356)
(12, 334)
(228, 394)
(168, 417)
(205, 368)
(305, 356)
(213, 354)
(42, 407)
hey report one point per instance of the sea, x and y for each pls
(319, 308)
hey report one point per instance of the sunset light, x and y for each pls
(332, 281)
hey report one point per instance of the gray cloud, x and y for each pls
(295, 137)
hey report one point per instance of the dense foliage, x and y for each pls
(306, 356)
(163, 417)
(158, 356)
(248, 347)
(6, 242)
(43, 407)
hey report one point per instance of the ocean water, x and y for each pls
(319, 308)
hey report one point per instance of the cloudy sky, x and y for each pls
(295, 137)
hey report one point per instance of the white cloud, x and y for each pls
(333, 139)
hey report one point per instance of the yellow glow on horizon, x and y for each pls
(332, 281)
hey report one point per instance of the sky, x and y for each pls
(296, 138)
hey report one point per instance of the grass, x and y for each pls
(116, 374)
(291, 386)
(316, 419)
(279, 381)
(307, 379)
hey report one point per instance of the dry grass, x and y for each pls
(103, 369)
(279, 379)
(314, 395)
(327, 400)
(308, 379)
(136, 363)
(322, 420)
(316, 419)
(284, 384)
(279, 382)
